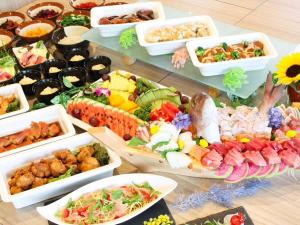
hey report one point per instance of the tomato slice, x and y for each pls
(66, 213)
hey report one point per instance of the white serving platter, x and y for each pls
(163, 184)
(17, 90)
(55, 113)
(9, 164)
(219, 68)
(117, 10)
(167, 47)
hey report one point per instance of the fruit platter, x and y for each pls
(147, 122)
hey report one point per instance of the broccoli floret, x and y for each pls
(101, 154)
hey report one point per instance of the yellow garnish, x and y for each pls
(181, 144)
(203, 143)
(291, 133)
(244, 140)
(154, 129)
(36, 32)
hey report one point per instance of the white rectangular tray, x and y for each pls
(248, 64)
(18, 91)
(167, 47)
(49, 114)
(117, 10)
(9, 164)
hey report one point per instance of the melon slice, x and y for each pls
(239, 173)
(253, 170)
(265, 171)
(283, 168)
(223, 171)
(274, 171)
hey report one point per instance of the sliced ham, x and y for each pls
(40, 60)
(25, 58)
(212, 160)
(290, 158)
(32, 60)
(255, 157)
(234, 158)
(271, 155)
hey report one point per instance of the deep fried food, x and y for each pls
(54, 129)
(89, 163)
(40, 170)
(57, 167)
(39, 182)
(85, 152)
(25, 181)
(15, 190)
(66, 156)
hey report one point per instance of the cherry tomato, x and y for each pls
(237, 219)
(66, 213)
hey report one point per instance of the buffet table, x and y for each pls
(276, 205)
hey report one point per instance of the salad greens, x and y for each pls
(200, 51)
(143, 113)
(13, 106)
(79, 20)
(68, 173)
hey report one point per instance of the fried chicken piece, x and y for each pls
(66, 156)
(15, 190)
(85, 152)
(44, 129)
(25, 181)
(41, 169)
(22, 171)
(39, 182)
(4, 141)
(35, 131)
(57, 167)
(54, 130)
(89, 163)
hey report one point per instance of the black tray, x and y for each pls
(159, 208)
(220, 216)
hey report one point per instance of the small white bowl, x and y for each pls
(111, 30)
(167, 47)
(219, 68)
(162, 184)
(17, 90)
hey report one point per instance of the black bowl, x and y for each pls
(78, 72)
(97, 74)
(59, 63)
(76, 51)
(33, 74)
(39, 86)
(59, 34)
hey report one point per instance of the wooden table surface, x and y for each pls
(277, 205)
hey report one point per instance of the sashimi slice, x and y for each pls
(234, 158)
(255, 157)
(253, 170)
(290, 158)
(265, 171)
(270, 155)
(238, 174)
(274, 171)
(224, 171)
(283, 168)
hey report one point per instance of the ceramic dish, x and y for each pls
(63, 38)
(27, 84)
(76, 56)
(57, 188)
(117, 10)
(15, 17)
(55, 113)
(40, 29)
(162, 184)
(6, 38)
(15, 89)
(94, 73)
(167, 47)
(45, 10)
(51, 68)
(247, 64)
(41, 85)
(77, 73)
(74, 13)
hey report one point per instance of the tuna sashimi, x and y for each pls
(266, 170)
(293, 144)
(239, 173)
(255, 145)
(234, 144)
(275, 145)
(220, 148)
(270, 155)
(212, 160)
(234, 158)
(290, 158)
(224, 171)
(253, 170)
(255, 157)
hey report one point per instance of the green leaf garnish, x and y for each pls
(135, 141)
(235, 55)
(224, 46)
(200, 51)
(220, 57)
(258, 52)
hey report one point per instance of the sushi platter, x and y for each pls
(69, 117)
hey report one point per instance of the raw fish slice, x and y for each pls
(178, 159)
(212, 160)
(234, 158)
(239, 173)
(274, 171)
(253, 170)
(265, 171)
(290, 158)
(270, 155)
(255, 157)
(224, 171)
